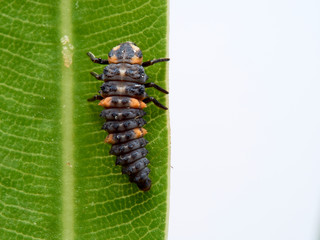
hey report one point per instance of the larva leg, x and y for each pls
(96, 75)
(94, 98)
(155, 101)
(97, 60)
(149, 63)
(151, 84)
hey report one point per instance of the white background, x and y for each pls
(245, 120)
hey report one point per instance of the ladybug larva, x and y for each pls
(123, 97)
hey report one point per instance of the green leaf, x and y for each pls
(57, 179)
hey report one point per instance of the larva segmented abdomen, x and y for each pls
(128, 144)
(123, 112)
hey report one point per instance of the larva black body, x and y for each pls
(123, 96)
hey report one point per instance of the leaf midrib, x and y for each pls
(67, 125)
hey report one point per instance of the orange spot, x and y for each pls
(135, 48)
(105, 102)
(135, 103)
(139, 132)
(144, 132)
(113, 59)
(109, 139)
(142, 105)
(136, 60)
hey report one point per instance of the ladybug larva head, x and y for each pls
(127, 52)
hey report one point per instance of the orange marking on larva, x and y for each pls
(116, 48)
(136, 60)
(113, 59)
(109, 139)
(105, 102)
(135, 103)
(135, 48)
(144, 131)
(142, 105)
(139, 132)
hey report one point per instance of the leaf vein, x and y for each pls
(26, 153)
(24, 58)
(20, 234)
(19, 90)
(22, 221)
(25, 75)
(25, 22)
(24, 173)
(24, 138)
(26, 41)
(121, 210)
(24, 192)
(128, 36)
(25, 116)
(124, 224)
